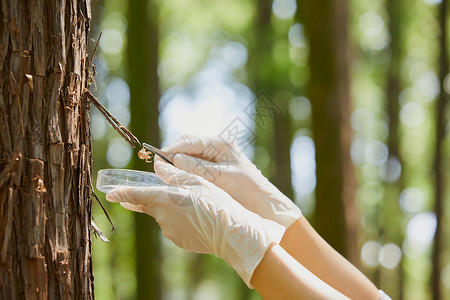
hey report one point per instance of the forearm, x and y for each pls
(304, 244)
(280, 276)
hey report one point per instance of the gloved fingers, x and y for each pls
(155, 201)
(174, 176)
(189, 144)
(214, 149)
(206, 169)
(147, 196)
(169, 156)
(132, 207)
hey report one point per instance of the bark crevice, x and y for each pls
(45, 151)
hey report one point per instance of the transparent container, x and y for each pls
(110, 179)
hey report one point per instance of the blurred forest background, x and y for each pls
(342, 105)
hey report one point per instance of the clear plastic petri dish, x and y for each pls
(110, 179)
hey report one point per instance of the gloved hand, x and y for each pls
(226, 166)
(200, 217)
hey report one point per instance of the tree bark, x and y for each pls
(439, 166)
(143, 41)
(45, 151)
(329, 91)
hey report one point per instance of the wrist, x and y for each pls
(289, 241)
(285, 211)
(280, 276)
(244, 249)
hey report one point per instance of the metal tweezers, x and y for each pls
(162, 154)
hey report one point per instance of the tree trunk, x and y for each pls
(282, 140)
(439, 167)
(261, 67)
(272, 131)
(389, 215)
(144, 89)
(329, 92)
(45, 151)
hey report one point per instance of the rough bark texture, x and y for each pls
(145, 94)
(439, 162)
(329, 92)
(45, 156)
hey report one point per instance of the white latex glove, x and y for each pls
(383, 295)
(200, 217)
(226, 166)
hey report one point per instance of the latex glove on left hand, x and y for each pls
(200, 217)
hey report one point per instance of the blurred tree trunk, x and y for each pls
(272, 133)
(439, 162)
(260, 67)
(335, 215)
(143, 41)
(272, 121)
(389, 214)
(393, 81)
(45, 151)
(195, 269)
(282, 140)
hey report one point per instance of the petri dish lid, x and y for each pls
(109, 179)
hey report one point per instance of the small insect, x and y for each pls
(145, 155)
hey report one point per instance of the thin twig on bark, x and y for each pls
(125, 133)
(93, 53)
(104, 210)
